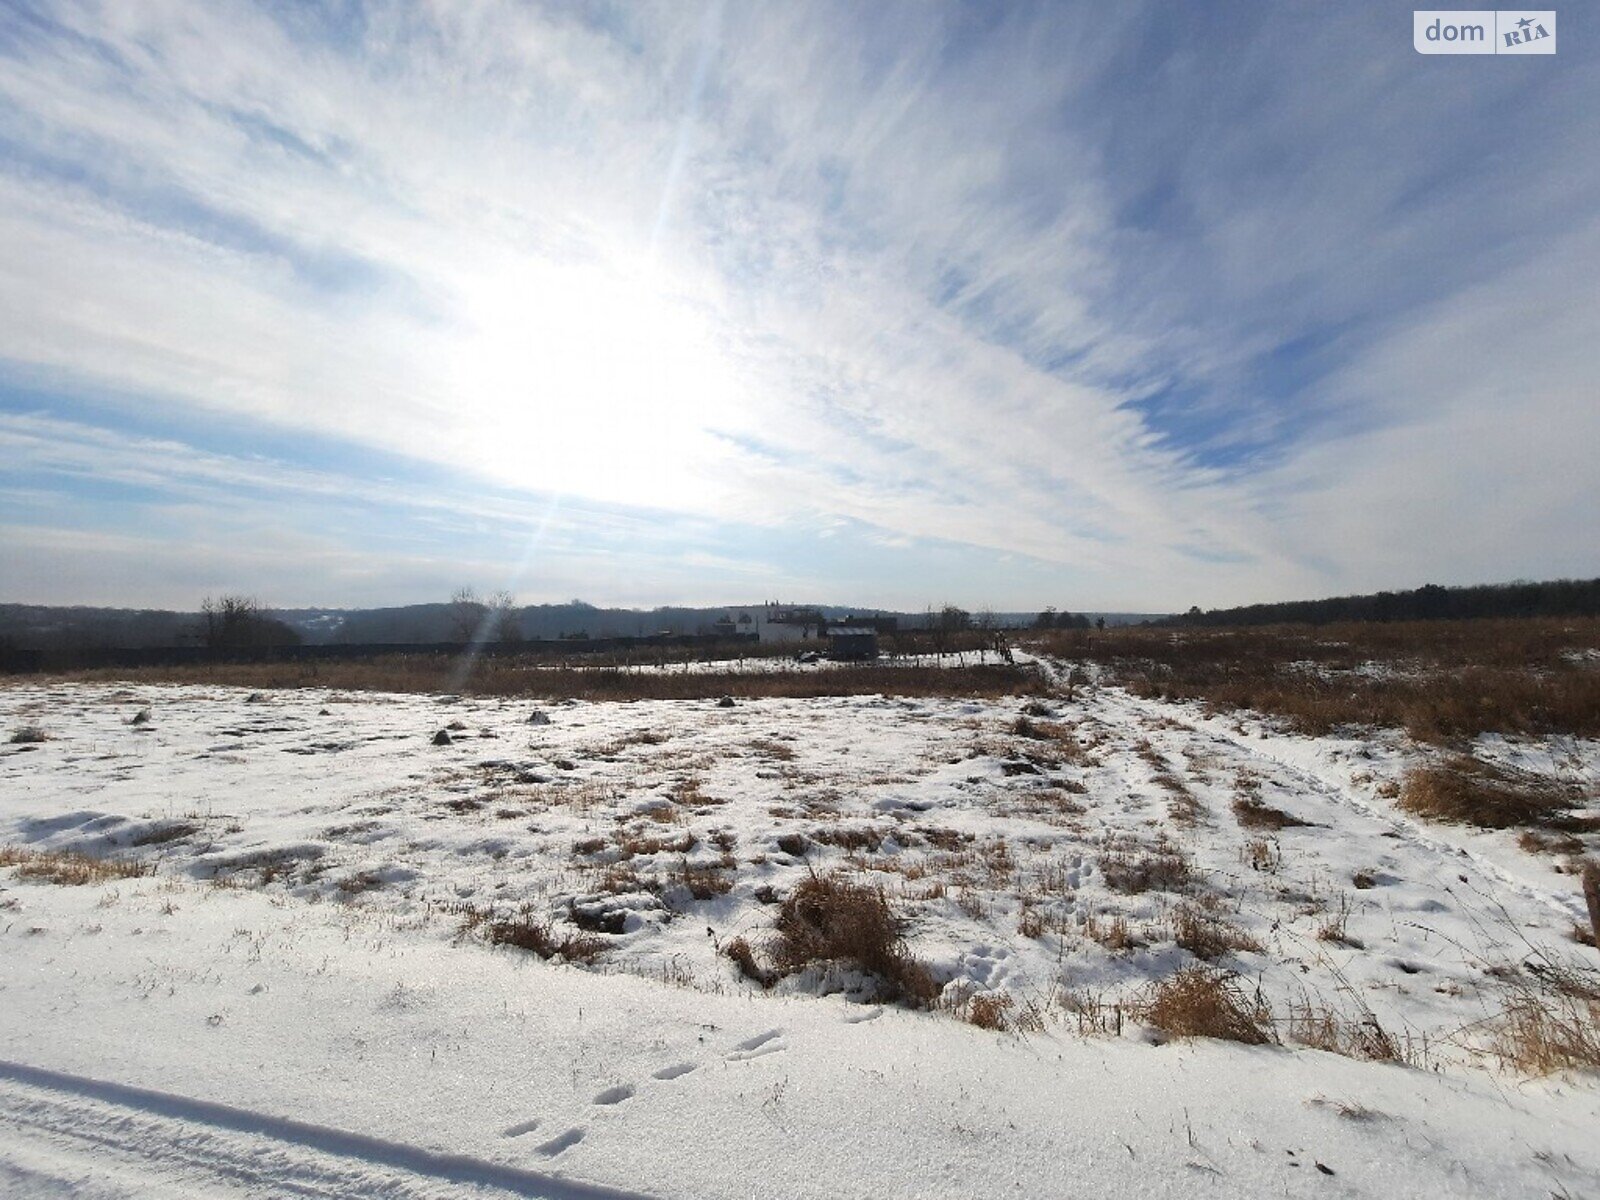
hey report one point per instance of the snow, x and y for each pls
(290, 1005)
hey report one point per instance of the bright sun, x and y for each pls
(579, 378)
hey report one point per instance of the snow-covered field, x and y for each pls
(300, 1000)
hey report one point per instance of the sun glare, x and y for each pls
(584, 378)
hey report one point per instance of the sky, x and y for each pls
(1103, 306)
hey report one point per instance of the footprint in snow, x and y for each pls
(615, 1095)
(673, 1072)
(520, 1128)
(870, 1014)
(562, 1141)
(770, 1042)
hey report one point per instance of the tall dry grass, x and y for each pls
(1203, 1002)
(1438, 680)
(1468, 791)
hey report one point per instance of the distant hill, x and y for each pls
(39, 626)
(1556, 598)
(45, 627)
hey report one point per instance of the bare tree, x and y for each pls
(955, 620)
(467, 614)
(235, 622)
(505, 623)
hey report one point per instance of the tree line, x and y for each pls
(1431, 602)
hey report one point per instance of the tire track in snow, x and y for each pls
(1568, 907)
(230, 1147)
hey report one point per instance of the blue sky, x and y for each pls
(1102, 306)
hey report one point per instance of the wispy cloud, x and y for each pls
(1168, 305)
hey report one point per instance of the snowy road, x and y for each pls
(65, 1134)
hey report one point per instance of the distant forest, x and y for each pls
(1557, 598)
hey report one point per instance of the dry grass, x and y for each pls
(524, 931)
(833, 919)
(1202, 1002)
(1468, 791)
(633, 843)
(68, 867)
(704, 881)
(1057, 742)
(849, 837)
(987, 1010)
(169, 832)
(1550, 1020)
(1536, 841)
(1439, 679)
(1000, 1012)
(744, 957)
(1095, 1014)
(1132, 868)
(1204, 934)
(530, 677)
(1114, 933)
(1262, 854)
(1252, 813)
(28, 735)
(1335, 927)
(1182, 805)
(1541, 1034)
(615, 746)
(1322, 1028)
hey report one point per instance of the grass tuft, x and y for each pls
(1132, 868)
(524, 931)
(830, 918)
(744, 957)
(1203, 1002)
(1206, 935)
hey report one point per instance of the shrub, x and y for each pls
(1202, 1002)
(829, 918)
(28, 735)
